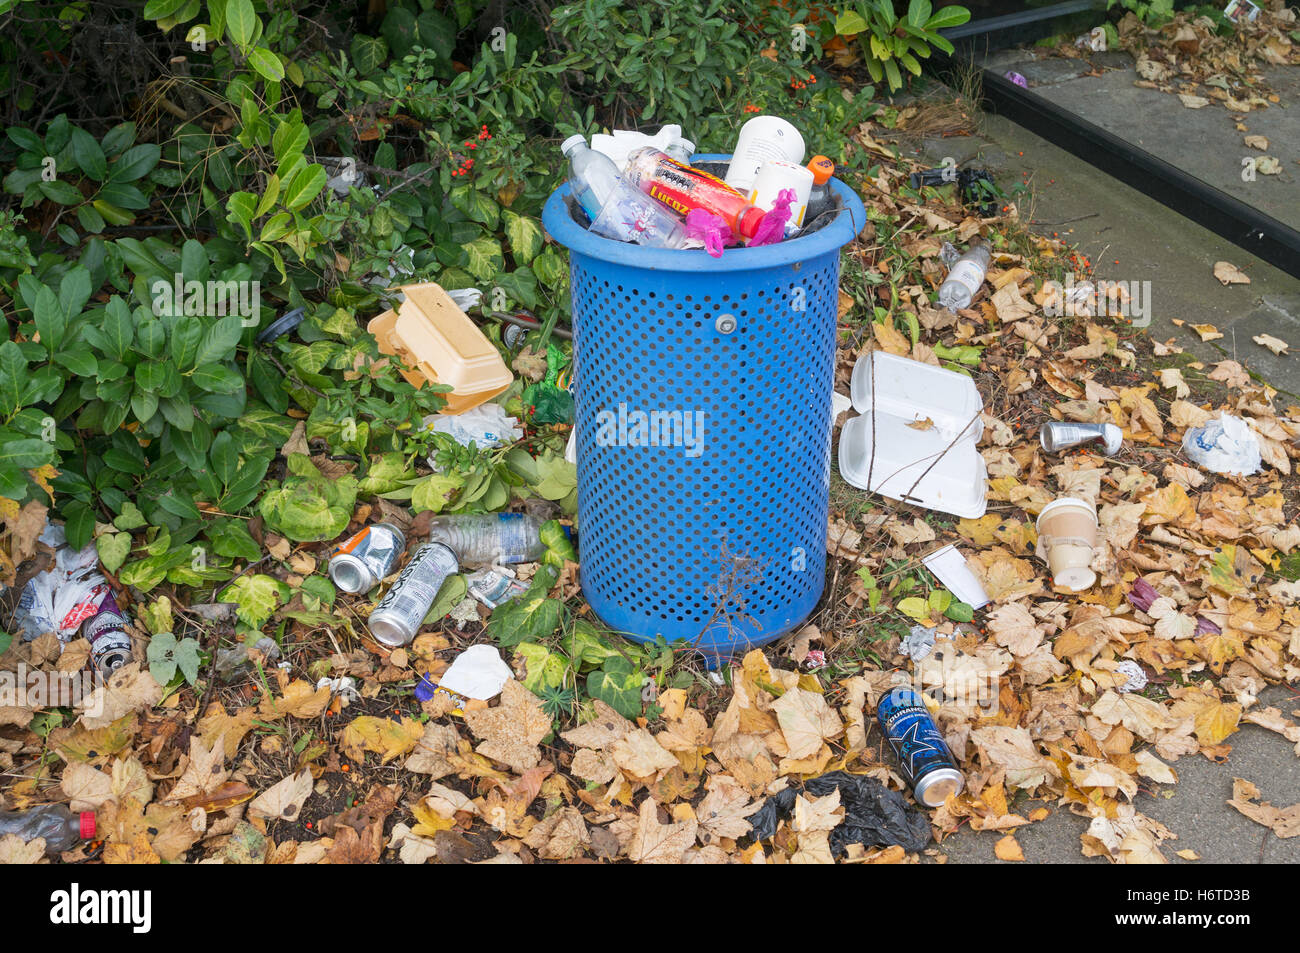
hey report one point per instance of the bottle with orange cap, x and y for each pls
(819, 200)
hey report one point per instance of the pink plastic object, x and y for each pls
(772, 229)
(710, 229)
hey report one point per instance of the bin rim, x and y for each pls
(568, 233)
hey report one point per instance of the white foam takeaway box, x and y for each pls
(922, 423)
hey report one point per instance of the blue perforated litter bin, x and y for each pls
(704, 519)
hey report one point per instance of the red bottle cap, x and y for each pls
(822, 169)
(87, 825)
(750, 219)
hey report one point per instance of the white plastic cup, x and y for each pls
(1067, 535)
(761, 139)
(775, 175)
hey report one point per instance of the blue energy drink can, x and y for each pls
(922, 753)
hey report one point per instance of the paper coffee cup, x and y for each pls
(1067, 534)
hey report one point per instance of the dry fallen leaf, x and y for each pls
(510, 732)
(1284, 822)
(1276, 345)
(1008, 848)
(284, 800)
(1230, 274)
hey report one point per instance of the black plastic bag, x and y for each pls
(873, 814)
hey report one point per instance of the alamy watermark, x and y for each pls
(32, 688)
(652, 428)
(207, 298)
(1129, 300)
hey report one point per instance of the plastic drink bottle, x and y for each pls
(761, 139)
(58, 825)
(819, 199)
(965, 276)
(616, 209)
(487, 538)
(681, 150)
(684, 188)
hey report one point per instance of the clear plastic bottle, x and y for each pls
(486, 538)
(965, 276)
(618, 210)
(59, 826)
(681, 150)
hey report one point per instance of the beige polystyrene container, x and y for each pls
(441, 345)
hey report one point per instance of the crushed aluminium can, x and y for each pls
(399, 614)
(922, 753)
(363, 559)
(110, 645)
(493, 588)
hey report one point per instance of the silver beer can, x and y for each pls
(363, 559)
(399, 614)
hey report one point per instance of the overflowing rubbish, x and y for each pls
(1225, 444)
(361, 560)
(62, 598)
(60, 827)
(762, 139)
(110, 645)
(493, 586)
(635, 187)
(484, 426)
(439, 344)
(1067, 535)
(923, 755)
(1056, 435)
(623, 142)
(950, 568)
(616, 208)
(398, 616)
(965, 275)
(873, 814)
(916, 435)
(490, 538)
(478, 673)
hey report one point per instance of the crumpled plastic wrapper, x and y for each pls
(873, 814)
(1224, 445)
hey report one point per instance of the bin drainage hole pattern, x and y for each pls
(751, 482)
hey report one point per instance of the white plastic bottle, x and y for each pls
(761, 139)
(965, 276)
(617, 209)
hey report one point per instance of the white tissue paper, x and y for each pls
(625, 141)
